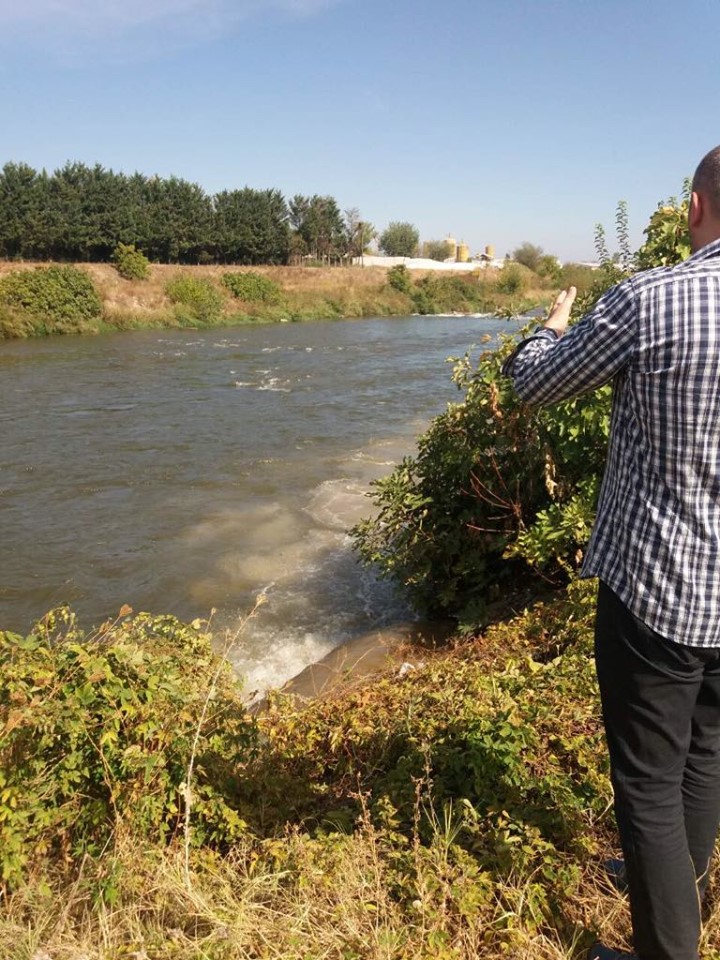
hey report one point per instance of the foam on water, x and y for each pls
(300, 557)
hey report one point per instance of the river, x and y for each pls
(185, 471)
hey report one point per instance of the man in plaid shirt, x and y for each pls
(656, 550)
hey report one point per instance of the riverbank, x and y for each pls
(299, 293)
(456, 810)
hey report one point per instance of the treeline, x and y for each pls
(81, 213)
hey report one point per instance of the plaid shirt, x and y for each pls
(656, 539)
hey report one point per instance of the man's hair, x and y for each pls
(707, 179)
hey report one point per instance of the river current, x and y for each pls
(189, 471)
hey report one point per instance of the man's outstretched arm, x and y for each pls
(553, 365)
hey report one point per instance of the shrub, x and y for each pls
(436, 250)
(512, 280)
(98, 734)
(130, 262)
(549, 268)
(399, 278)
(529, 255)
(54, 299)
(667, 235)
(253, 287)
(196, 299)
(577, 275)
(483, 471)
(437, 293)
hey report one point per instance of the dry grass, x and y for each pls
(311, 292)
(295, 899)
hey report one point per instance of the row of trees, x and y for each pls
(83, 213)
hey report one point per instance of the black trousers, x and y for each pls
(661, 708)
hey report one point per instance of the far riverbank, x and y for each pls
(305, 293)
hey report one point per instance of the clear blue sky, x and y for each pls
(497, 120)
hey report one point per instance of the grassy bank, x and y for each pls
(201, 297)
(457, 810)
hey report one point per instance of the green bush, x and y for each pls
(445, 292)
(577, 275)
(52, 299)
(484, 470)
(130, 262)
(98, 735)
(197, 300)
(399, 278)
(667, 234)
(253, 288)
(512, 280)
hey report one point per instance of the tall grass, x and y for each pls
(295, 897)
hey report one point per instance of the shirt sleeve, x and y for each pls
(545, 369)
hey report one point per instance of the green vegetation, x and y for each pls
(529, 255)
(435, 250)
(203, 296)
(459, 811)
(667, 233)
(399, 278)
(197, 300)
(319, 230)
(512, 280)
(467, 292)
(400, 239)
(81, 213)
(98, 735)
(253, 288)
(414, 817)
(248, 226)
(48, 300)
(360, 233)
(131, 263)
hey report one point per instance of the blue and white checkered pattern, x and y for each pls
(656, 540)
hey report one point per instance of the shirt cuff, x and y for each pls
(542, 333)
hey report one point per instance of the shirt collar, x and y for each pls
(704, 253)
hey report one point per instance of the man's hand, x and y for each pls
(560, 311)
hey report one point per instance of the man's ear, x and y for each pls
(696, 210)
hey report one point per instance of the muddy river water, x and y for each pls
(183, 471)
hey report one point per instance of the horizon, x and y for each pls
(455, 122)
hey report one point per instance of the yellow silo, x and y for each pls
(463, 252)
(490, 251)
(451, 244)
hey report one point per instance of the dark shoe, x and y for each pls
(598, 952)
(616, 873)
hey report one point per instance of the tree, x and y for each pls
(319, 227)
(20, 210)
(528, 254)
(435, 250)
(252, 226)
(359, 233)
(400, 239)
(180, 219)
(549, 267)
